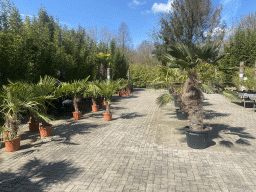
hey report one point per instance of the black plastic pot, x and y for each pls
(197, 139)
(181, 115)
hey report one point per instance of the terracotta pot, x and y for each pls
(95, 108)
(120, 94)
(77, 115)
(107, 116)
(33, 126)
(105, 102)
(45, 131)
(12, 145)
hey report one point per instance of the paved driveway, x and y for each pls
(143, 148)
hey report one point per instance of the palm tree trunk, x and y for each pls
(93, 101)
(107, 108)
(192, 98)
(76, 100)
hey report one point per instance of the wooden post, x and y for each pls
(255, 70)
(108, 74)
(241, 71)
(241, 74)
(128, 74)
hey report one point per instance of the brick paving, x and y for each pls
(143, 148)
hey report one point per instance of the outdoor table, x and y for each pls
(251, 96)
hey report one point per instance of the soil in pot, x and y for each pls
(12, 145)
(95, 108)
(77, 115)
(197, 139)
(45, 131)
(107, 116)
(33, 126)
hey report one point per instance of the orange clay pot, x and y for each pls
(12, 145)
(107, 116)
(77, 115)
(45, 131)
(95, 108)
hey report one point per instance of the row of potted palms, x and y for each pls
(21, 97)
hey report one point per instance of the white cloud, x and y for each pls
(135, 3)
(161, 7)
(216, 31)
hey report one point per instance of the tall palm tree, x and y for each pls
(188, 57)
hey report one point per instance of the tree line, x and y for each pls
(40, 46)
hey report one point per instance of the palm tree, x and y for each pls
(17, 98)
(108, 88)
(94, 91)
(43, 92)
(167, 78)
(188, 57)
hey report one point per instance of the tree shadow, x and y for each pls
(37, 175)
(66, 131)
(244, 137)
(207, 104)
(128, 116)
(210, 114)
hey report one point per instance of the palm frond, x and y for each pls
(163, 99)
(206, 88)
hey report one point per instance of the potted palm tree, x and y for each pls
(45, 91)
(108, 88)
(17, 98)
(77, 88)
(94, 92)
(188, 57)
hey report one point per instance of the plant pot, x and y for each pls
(105, 102)
(95, 108)
(120, 94)
(77, 115)
(107, 116)
(33, 126)
(13, 144)
(197, 139)
(45, 131)
(181, 115)
(177, 103)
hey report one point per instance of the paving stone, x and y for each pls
(143, 148)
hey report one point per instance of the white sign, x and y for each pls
(245, 78)
(241, 75)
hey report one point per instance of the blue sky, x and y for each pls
(140, 15)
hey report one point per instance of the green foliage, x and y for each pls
(142, 76)
(19, 97)
(231, 95)
(108, 88)
(40, 46)
(163, 99)
(250, 83)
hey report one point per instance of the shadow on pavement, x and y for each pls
(128, 116)
(36, 176)
(210, 114)
(238, 131)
